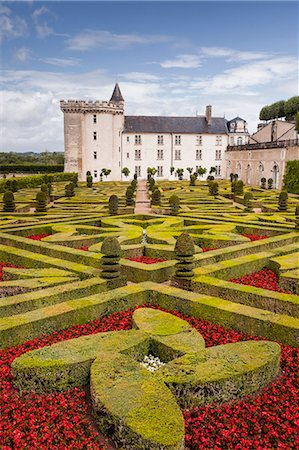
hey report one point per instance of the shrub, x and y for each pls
(70, 190)
(41, 202)
(291, 177)
(180, 173)
(213, 188)
(297, 217)
(126, 172)
(174, 203)
(233, 187)
(248, 201)
(33, 181)
(134, 184)
(156, 196)
(263, 183)
(151, 183)
(184, 250)
(110, 260)
(113, 205)
(89, 181)
(9, 202)
(192, 180)
(283, 201)
(270, 183)
(14, 185)
(44, 188)
(239, 189)
(129, 196)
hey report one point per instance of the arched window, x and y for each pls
(232, 127)
(275, 171)
(239, 141)
(239, 170)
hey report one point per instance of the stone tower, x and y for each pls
(92, 135)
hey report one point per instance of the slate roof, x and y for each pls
(236, 119)
(163, 124)
(116, 96)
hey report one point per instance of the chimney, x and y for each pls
(209, 114)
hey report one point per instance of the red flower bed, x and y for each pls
(208, 249)
(38, 237)
(254, 237)
(58, 421)
(146, 260)
(85, 248)
(265, 279)
(2, 265)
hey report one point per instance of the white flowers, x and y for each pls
(152, 363)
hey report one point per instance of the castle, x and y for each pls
(98, 135)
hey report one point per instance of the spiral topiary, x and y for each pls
(184, 250)
(283, 201)
(9, 202)
(110, 260)
(41, 202)
(113, 205)
(89, 181)
(239, 188)
(129, 196)
(248, 201)
(156, 196)
(174, 203)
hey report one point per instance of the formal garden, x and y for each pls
(173, 329)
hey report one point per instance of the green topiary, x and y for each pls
(113, 205)
(297, 217)
(110, 261)
(44, 188)
(89, 181)
(192, 180)
(134, 184)
(174, 203)
(151, 183)
(248, 201)
(184, 250)
(270, 183)
(233, 187)
(156, 196)
(239, 188)
(9, 202)
(70, 190)
(129, 196)
(263, 183)
(14, 185)
(283, 201)
(41, 202)
(214, 188)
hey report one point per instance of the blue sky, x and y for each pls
(170, 58)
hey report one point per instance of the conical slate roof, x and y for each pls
(116, 95)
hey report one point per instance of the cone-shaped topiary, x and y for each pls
(239, 188)
(70, 190)
(41, 202)
(233, 187)
(110, 260)
(129, 196)
(14, 185)
(156, 196)
(44, 188)
(248, 201)
(113, 205)
(151, 183)
(174, 203)
(89, 181)
(8, 186)
(134, 184)
(283, 201)
(9, 202)
(192, 180)
(184, 250)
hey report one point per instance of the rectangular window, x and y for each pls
(128, 138)
(218, 155)
(128, 155)
(94, 135)
(138, 171)
(94, 118)
(95, 173)
(177, 154)
(198, 140)
(160, 154)
(218, 170)
(177, 140)
(137, 139)
(95, 155)
(160, 171)
(198, 154)
(232, 141)
(160, 139)
(218, 140)
(137, 154)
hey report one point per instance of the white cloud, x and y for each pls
(22, 54)
(233, 55)
(139, 77)
(11, 26)
(90, 39)
(43, 29)
(61, 62)
(182, 61)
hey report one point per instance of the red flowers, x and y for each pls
(3, 264)
(254, 237)
(265, 279)
(38, 237)
(146, 260)
(208, 249)
(85, 248)
(59, 421)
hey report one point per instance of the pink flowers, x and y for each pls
(146, 260)
(264, 279)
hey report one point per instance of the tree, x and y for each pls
(265, 113)
(126, 172)
(110, 260)
(201, 171)
(283, 201)
(190, 170)
(89, 181)
(291, 177)
(174, 204)
(41, 202)
(172, 169)
(212, 170)
(291, 107)
(184, 251)
(263, 183)
(113, 205)
(9, 202)
(278, 109)
(106, 172)
(180, 173)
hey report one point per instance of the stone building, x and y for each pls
(99, 135)
(265, 155)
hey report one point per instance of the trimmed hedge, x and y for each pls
(31, 168)
(37, 180)
(291, 177)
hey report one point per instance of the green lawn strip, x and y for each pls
(285, 263)
(247, 295)
(22, 303)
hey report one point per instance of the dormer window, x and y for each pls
(232, 127)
